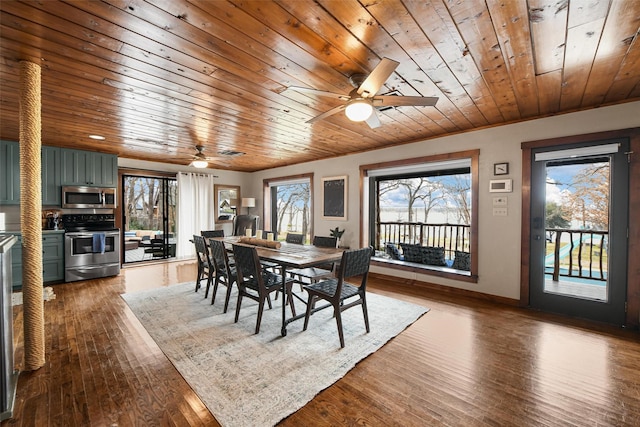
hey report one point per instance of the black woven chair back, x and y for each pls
(210, 234)
(325, 242)
(219, 255)
(242, 222)
(295, 238)
(355, 263)
(247, 262)
(201, 247)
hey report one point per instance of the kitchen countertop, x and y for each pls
(20, 232)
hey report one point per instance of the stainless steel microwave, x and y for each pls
(88, 197)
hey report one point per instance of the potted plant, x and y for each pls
(337, 233)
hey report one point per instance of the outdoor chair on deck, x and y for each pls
(256, 283)
(155, 247)
(224, 272)
(313, 274)
(336, 290)
(205, 266)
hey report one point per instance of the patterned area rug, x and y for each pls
(258, 380)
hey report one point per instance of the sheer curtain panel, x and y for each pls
(195, 209)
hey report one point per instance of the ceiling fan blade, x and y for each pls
(378, 76)
(319, 92)
(404, 101)
(373, 121)
(326, 114)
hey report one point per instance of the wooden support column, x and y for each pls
(30, 214)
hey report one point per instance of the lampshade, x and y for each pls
(200, 164)
(248, 202)
(358, 110)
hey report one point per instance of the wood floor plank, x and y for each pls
(465, 363)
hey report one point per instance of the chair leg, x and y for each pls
(365, 312)
(228, 296)
(206, 292)
(238, 303)
(338, 315)
(199, 278)
(290, 298)
(215, 289)
(312, 299)
(259, 319)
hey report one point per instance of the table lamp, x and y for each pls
(249, 202)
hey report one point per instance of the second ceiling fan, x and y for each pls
(361, 102)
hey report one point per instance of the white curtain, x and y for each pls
(196, 209)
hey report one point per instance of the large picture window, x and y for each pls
(422, 216)
(288, 206)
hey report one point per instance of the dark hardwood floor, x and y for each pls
(465, 363)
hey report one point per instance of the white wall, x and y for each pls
(499, 236)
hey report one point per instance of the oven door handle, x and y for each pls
(90, 236)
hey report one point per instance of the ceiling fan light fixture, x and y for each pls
(200, 164)
(358, 110)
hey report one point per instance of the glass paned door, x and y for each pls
(579, 222)
(149, 218)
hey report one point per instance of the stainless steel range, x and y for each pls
(91, 246)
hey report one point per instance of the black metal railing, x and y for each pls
(577, 253)
(453, 237)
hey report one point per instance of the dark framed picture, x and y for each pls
(334, 198)
(501, 168)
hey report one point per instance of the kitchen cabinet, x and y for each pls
(88, 168)
(10, 166)
(52, 258)
(51, 176)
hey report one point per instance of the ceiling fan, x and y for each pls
(360, 104)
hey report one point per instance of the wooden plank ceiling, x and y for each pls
(157, 78)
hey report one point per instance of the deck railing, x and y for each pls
(577, 253)
(453, 237)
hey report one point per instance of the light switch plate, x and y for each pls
(499, 211)
(500, 201)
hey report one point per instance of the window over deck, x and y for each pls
(422, 214)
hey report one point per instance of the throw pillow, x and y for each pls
(412, 253)
(462, 261)
(392, 250)
(432, 255)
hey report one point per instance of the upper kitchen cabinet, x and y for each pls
(10, 166)
(51, 176)
(89, 168)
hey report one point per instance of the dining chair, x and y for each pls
(155, 248)
(205, 267)
(242, 222)
(313, 274)
(225, 273)
(256, 283)
(209, 234)
(336, 290)
(296, 238)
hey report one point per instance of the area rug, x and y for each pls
(257, 380)
(47, 295)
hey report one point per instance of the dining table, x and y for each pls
(288, 256)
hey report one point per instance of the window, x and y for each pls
(422, 214)
(289, 206)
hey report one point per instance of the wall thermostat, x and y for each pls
(500, 185)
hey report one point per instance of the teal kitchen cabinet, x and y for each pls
(10, 173)
(51, 176)
(88, 168)
(52, 256)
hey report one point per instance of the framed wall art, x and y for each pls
(334, 198)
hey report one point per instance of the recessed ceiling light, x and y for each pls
(98, 137)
